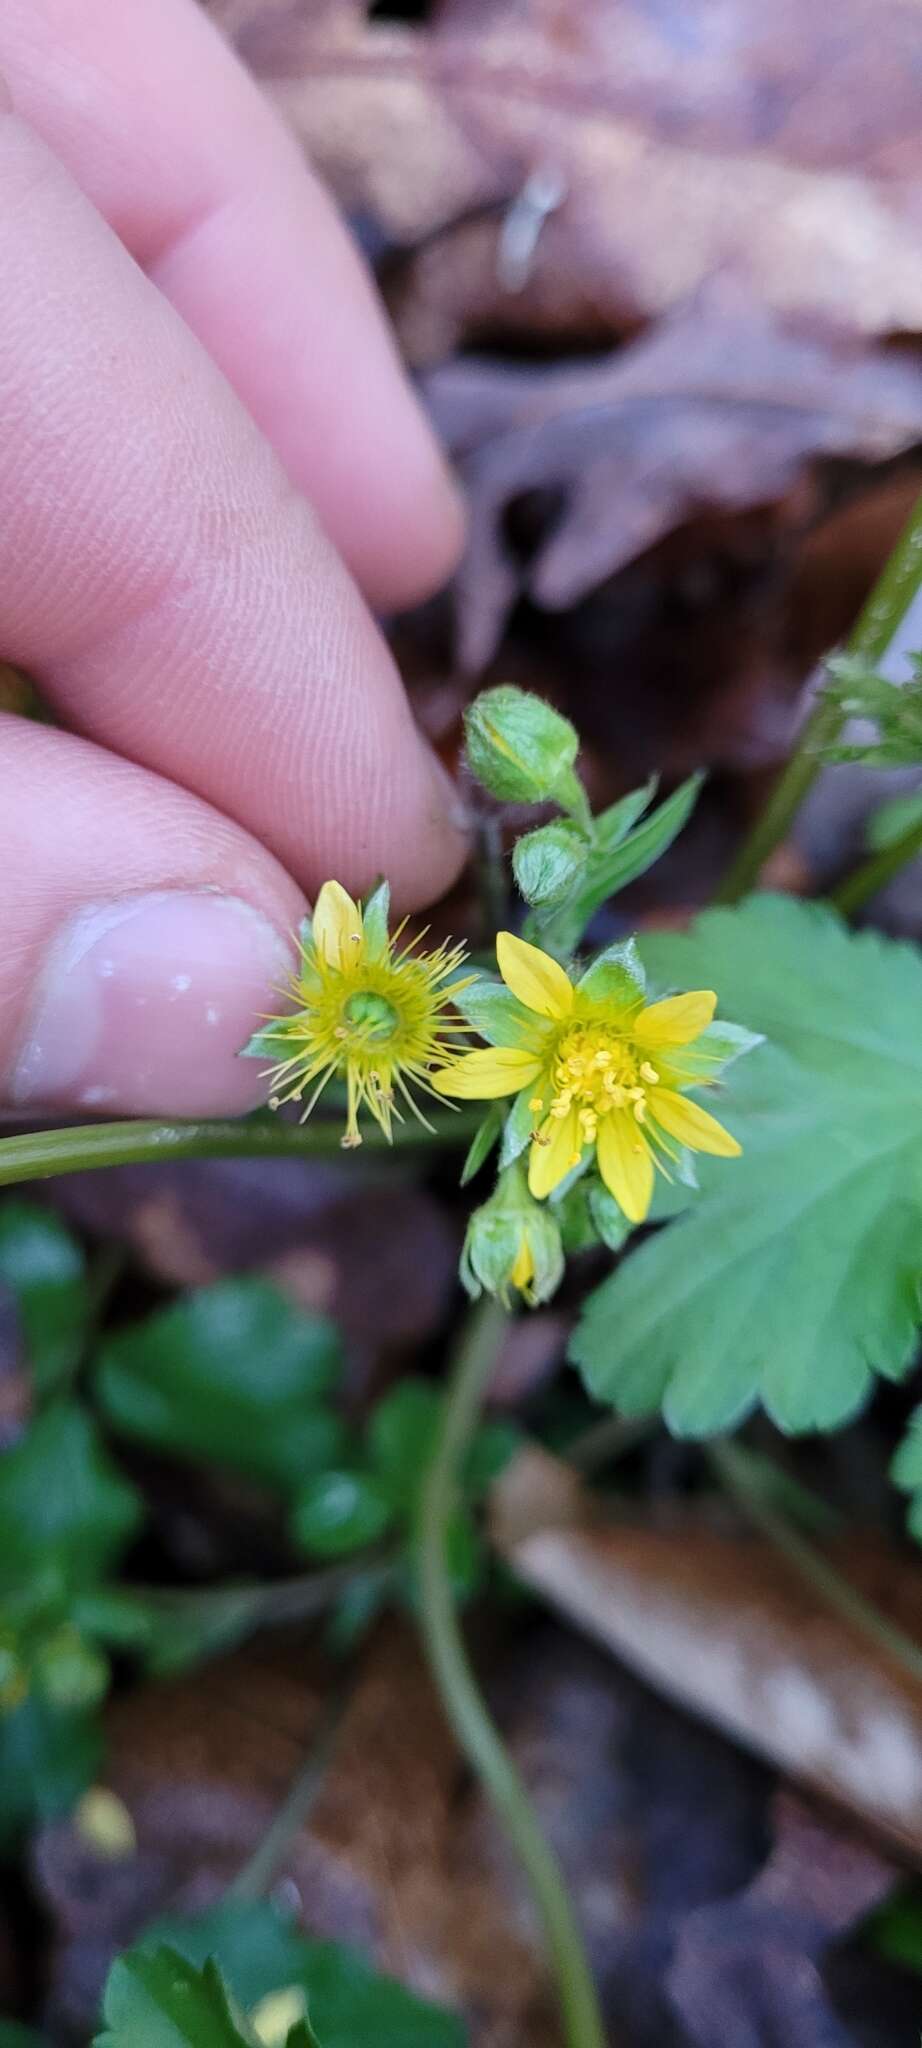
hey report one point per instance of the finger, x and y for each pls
(141, 936)
(176, 145)
(159, 573)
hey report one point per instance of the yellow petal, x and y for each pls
(553, 1153)
(625, 1164)
(337, 925)
(523, 1271)
(690, 1124)
(492, 1070)
(534, 977)
(677, 1020)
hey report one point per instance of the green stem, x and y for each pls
(255, 1876)
(603, 1443)
(875, 628)
(873, 874)
(463, 1703)
(825, 1581)
(84, 1147)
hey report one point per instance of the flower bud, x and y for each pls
(512, 1241)
(519, 748)
(548, 862)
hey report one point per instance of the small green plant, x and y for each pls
(767, 1257)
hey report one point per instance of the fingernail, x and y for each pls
(144, 1004)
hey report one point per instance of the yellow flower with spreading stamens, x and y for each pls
(595, 1068)
(363, 1011)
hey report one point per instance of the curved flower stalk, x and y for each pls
(595, 1069)
(365, 1012)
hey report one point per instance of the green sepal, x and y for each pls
(265, 1044)
(720, 1044)
(609, 1218)
(495, 1012)
(375, 915)
(574, 1217)
(306, 934)
(520, 1124)
(615, 976)
(483, 1142)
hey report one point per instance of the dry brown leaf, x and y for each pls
(725, 1626)
(717, 408)
(775, 146)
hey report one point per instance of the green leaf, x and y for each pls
(401, 1438)
(796, 1274)
(340, 1511)
(906, 1470)
(895, 1930)
(613, 825)
(646, 843)
(160, 2000)
(890, 821)
(894, 708)
(45, 1271)
(63, 1506)
(13, 2036)
(610, 871)
(350, 2004)
(615, 976)
(46, 1760)
(483, 1142)
(234, 1375)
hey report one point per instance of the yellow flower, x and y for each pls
(364, 1012)
(600, 1069)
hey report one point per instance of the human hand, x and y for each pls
(190, 359)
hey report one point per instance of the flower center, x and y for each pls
(371, 1015)
(596, 1069)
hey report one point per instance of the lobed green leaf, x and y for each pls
(796, 1274)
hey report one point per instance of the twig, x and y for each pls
(461, 1698)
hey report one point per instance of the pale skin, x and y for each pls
(212, 471)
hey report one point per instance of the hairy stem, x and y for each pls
(461, 1698)
(873, 874)
(876, 627)
(83, 1147)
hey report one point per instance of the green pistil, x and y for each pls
(373, 1015)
